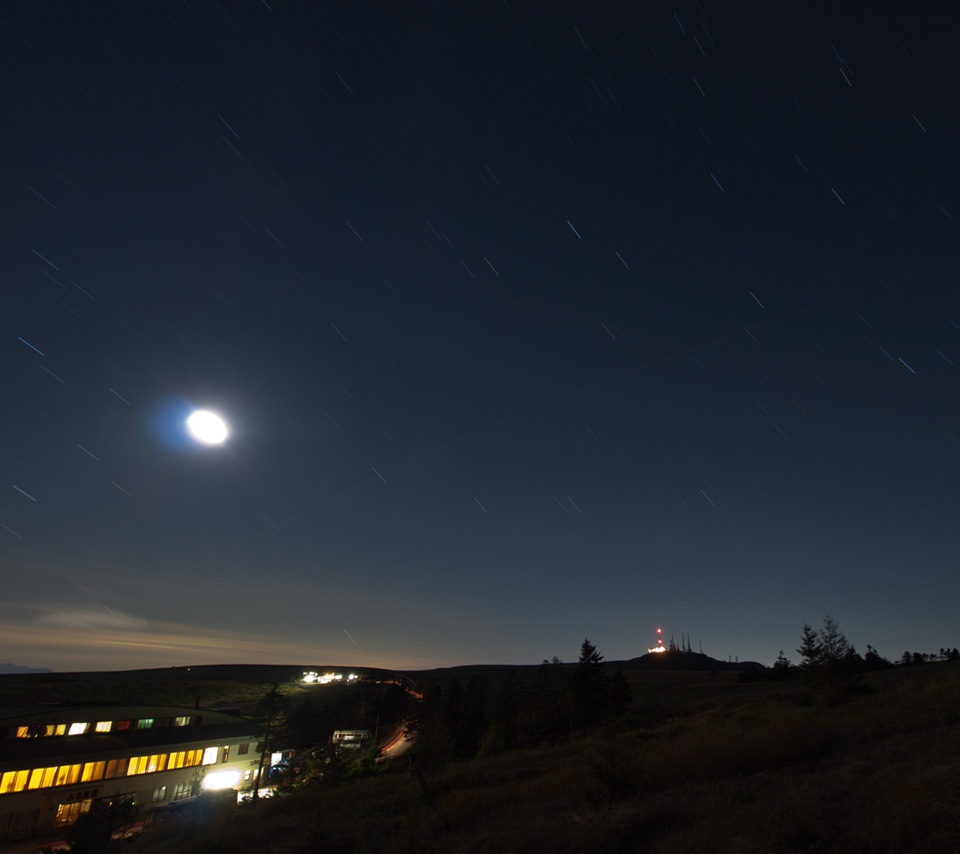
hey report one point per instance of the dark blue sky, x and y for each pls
(529, 324)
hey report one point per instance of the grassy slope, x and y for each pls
(212, 685)
(704, 765)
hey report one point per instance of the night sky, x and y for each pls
(530, 322)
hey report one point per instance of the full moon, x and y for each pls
(207, 427)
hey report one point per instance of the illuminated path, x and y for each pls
(398, 745)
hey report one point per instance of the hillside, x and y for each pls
(725, 766)
(206, 685)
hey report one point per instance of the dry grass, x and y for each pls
(745, 770)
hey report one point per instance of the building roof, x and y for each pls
(52, 750)
(96, 711)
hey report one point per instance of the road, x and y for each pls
(399, 743)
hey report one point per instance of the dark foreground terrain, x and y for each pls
(700, 762)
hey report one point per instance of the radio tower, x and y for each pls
(659, 647)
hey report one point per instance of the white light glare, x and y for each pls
(221, 780)
(207, 427)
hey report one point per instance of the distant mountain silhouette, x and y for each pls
(20, 668)
(686, 661)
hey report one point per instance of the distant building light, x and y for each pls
(311, 676)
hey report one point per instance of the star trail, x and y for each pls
(540, 322)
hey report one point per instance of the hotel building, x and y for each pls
(56, 761)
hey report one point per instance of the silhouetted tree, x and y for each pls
(475, 720)
(549, 716)
(435, 744)
(93, 832)
(590, 690)
(834, 646)
(503, 730)
(271, 714)
(452, 706)
(782, 667)
(829, 659)
(873, 660)
(810, 648)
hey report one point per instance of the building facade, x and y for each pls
(57, 761)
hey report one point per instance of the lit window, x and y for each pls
(138, 765)
(193, 758)
(49, 729)
(93, 771)
(159, 794)
(13, 781)
(78, 729)
(67, 774)
(61, 729)
(183, 720)
(69, 813)
(23, 732)
(226, 753)
(104, 726)
(145, 723)
(157, 762)
(40, 778)
(210, 755)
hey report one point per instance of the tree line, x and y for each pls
(828, 659)
(457, 721)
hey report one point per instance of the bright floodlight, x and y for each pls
(207, 427)
(221, 780)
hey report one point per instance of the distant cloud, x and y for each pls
(90, 619)
(71, 638)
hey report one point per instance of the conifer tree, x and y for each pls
(809, 647)
(834, 646)
(590, 689)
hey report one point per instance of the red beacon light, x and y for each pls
(659, 647)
